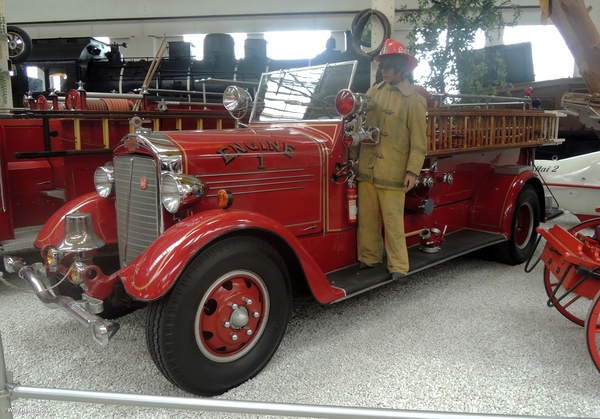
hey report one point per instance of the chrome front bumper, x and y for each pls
(83, 311)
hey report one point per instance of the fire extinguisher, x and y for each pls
(351, 197)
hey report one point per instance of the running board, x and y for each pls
(355, 281)
(23, 241)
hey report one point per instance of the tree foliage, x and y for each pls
(443, 35)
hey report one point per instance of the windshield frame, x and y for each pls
(301, 94)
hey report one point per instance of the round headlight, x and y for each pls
(237, 101)
(179, 191)
(103, 180)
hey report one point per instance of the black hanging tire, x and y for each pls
(526, 217)
(19, 44)
(358, 25)
(224, 318)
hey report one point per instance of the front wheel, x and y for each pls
(224, 318)
(526, 217)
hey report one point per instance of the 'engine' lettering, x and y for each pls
(231, 151)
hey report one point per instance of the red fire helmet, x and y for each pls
(393, 47)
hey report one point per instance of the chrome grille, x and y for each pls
(138, 208)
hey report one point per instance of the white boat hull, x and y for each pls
(574, 182)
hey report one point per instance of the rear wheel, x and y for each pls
(224, 318)
(526, 217)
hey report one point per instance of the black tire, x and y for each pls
(526, 217)
(354, 28)
(19, 44)
(190, 331)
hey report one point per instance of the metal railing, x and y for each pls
(10, 391)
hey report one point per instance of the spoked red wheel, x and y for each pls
(231, 316)
(589, 228)
(574, 306)
(592, 331)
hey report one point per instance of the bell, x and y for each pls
(79, 234)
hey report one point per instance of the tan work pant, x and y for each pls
(373, 203)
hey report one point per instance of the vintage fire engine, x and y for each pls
(212, 230)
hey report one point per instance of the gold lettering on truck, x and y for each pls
(229, 152)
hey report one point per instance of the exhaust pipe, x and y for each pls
(101, 330)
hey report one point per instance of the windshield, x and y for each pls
(301, 93)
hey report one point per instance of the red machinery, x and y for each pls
(572, 276)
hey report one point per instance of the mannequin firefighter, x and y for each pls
(389, 169)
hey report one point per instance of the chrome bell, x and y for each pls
(79, 234)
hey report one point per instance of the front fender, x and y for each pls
(494, 201)
(154, 272)
(103, 217)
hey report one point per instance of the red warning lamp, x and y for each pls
(345, 102)
(348, 102)
(528, 91)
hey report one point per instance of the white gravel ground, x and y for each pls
(467, 336)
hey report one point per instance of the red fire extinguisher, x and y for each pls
(351, 196)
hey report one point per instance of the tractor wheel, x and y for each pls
(224, 318)
(592, 331)
(19, 44)
(526, 217)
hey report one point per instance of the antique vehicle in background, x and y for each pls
(214, 229)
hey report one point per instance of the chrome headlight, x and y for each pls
(104, 178)
(179, 191)
(237, 101)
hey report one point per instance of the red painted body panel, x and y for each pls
(494, 202)
(153, 273)
(278, 173)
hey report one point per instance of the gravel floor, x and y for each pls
(468, 336)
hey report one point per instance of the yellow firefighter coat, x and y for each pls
(399, 112)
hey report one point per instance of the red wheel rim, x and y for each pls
(568, 306)
(232, 316)
(574, 306)
(592, 329)
(524, 225)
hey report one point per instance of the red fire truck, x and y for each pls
(213, 230)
